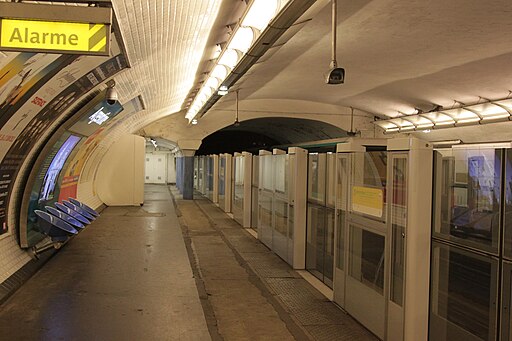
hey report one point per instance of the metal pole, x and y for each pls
(36, 251)
(351, 120)
(334, 20)
(237, 123)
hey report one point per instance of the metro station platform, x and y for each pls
(171, 271)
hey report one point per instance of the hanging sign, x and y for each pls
(53, 28)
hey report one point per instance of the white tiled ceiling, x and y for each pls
(165, 41)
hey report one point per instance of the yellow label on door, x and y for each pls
(368, 200)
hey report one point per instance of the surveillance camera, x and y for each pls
(111, 96)
(335, 76)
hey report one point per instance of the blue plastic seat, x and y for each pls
(54, 227)
(67, 218)
(73, 213)
(84, 206)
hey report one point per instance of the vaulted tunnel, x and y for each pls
(267, 133)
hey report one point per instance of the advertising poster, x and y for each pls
(36, 127)
(20, 119)
(53, 171)
(23, 76)
(72, 173)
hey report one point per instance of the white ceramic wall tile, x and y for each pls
(12, 258)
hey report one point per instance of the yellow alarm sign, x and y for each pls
(57, 29)
(53, 36)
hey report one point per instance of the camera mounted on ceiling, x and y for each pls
(336, 75)
(111, 94)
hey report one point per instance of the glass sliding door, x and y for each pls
(265, 200)
(200, 175)
(280, 237)
(196, 173)
(315, 240)
(464, 294)
(209, 177)
(330, 218)
(222, 182)
(341, 189)
(397, 231)
(315, 228)
(469, 221)
(507, 243)
(255, 191)
(238, 189)
(366, 264)
(329, 247)
(506, 300)
(506, 303)
(365, 283)
(280, 229)
(470, 198)
(321, 216)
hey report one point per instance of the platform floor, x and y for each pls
(162, 272)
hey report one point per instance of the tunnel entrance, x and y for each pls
(267, 133)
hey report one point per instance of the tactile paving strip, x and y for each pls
(350, 331)
(318, 313)
(297, 286)
(267, 265)
(238, 239)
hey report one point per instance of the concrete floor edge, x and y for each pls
(209, 314)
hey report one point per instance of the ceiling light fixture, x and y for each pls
(257, 17)
(480, 113)
(446, 143)
(247, 44)
(217, 51)
(223, 90)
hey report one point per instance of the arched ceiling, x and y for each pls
(398, 56)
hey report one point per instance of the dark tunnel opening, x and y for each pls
(267, 133)
(235, 141)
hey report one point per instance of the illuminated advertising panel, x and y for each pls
(53, 171)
